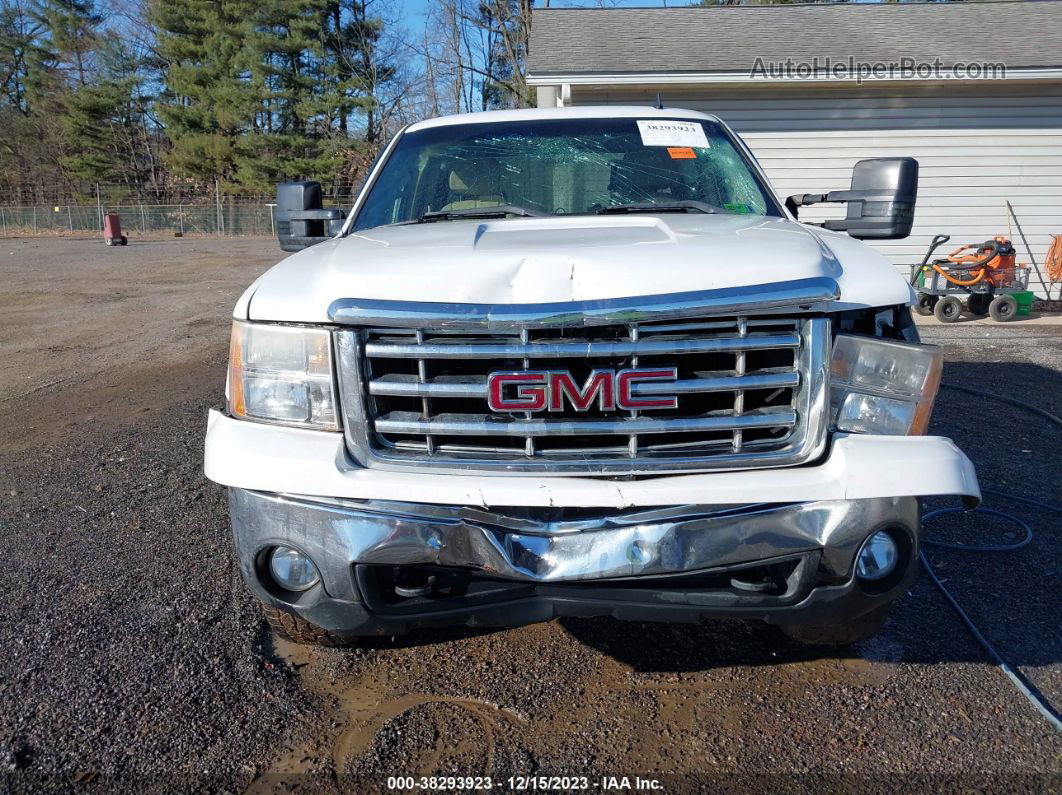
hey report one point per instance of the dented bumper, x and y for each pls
(781, 563)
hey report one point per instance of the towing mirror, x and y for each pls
(881, 201)
(302, 221)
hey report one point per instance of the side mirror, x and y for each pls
(881, 201)
(301, 219)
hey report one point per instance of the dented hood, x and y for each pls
(577, 258)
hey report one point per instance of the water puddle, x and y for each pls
(366, 714)
(388, 711)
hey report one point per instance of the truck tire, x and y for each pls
(948, 309)
(844, 634)
(290, 627)
(1003, 308)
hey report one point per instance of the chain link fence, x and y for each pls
(230, 218)
(170, 211)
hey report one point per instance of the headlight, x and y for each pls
(883, 386)
(282, 374)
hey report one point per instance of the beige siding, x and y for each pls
(976, 147)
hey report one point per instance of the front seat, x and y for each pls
(470, 189)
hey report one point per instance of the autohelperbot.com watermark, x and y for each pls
(851, 68)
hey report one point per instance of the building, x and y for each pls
(982, 134)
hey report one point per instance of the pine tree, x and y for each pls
(47, 50)
(72, 36)
(359, 69)
(287, 139)
(106, 122)
(210, 101)
(318, 71)
(20, 52)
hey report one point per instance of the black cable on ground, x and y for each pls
(1024, 686)
(1016, 677)
(1047, 415)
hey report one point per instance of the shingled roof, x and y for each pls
(569, 41)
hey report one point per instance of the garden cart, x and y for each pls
(983, 275)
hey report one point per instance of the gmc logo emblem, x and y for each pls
(552, 390)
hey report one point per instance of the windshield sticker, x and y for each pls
(681, 152)
(665, 132)
(739, 209)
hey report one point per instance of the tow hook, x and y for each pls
(410, 583)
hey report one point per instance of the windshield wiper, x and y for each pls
(683, 206)
(495, 211)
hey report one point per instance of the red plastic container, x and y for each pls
(112, 230)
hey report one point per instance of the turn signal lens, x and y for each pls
(282, 374)
(883, 386)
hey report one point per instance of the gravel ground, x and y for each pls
(134, 660)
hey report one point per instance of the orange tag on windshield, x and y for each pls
(681, 152)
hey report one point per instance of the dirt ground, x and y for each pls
(134, 660)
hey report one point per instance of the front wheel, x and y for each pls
(298, 630)
(842, 634)
(948, 309)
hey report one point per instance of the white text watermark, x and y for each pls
(860, 71)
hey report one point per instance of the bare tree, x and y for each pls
(476, 55)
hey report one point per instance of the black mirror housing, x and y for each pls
(881, 201)
(301, 218)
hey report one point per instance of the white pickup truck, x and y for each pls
(580, 362)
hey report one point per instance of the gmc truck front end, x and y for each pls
(580, 362)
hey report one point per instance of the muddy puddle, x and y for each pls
(540, 700)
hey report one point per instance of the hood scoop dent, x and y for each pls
(571, 232)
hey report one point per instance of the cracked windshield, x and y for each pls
(563, 167)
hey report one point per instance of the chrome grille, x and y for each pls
(751, 392)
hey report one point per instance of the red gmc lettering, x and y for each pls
(598, 386)
(541, 390)
(627, 379)
(530, 391)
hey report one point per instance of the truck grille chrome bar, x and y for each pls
(486, 425)
(750, 392)
(678, 347)
(762, 298)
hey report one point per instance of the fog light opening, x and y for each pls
(292, 570)
(878, 557)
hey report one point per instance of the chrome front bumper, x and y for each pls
(529, 546)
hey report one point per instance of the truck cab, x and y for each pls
(580, 362)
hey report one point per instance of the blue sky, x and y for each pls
(417, 8)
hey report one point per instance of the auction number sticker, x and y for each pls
(666, 132)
